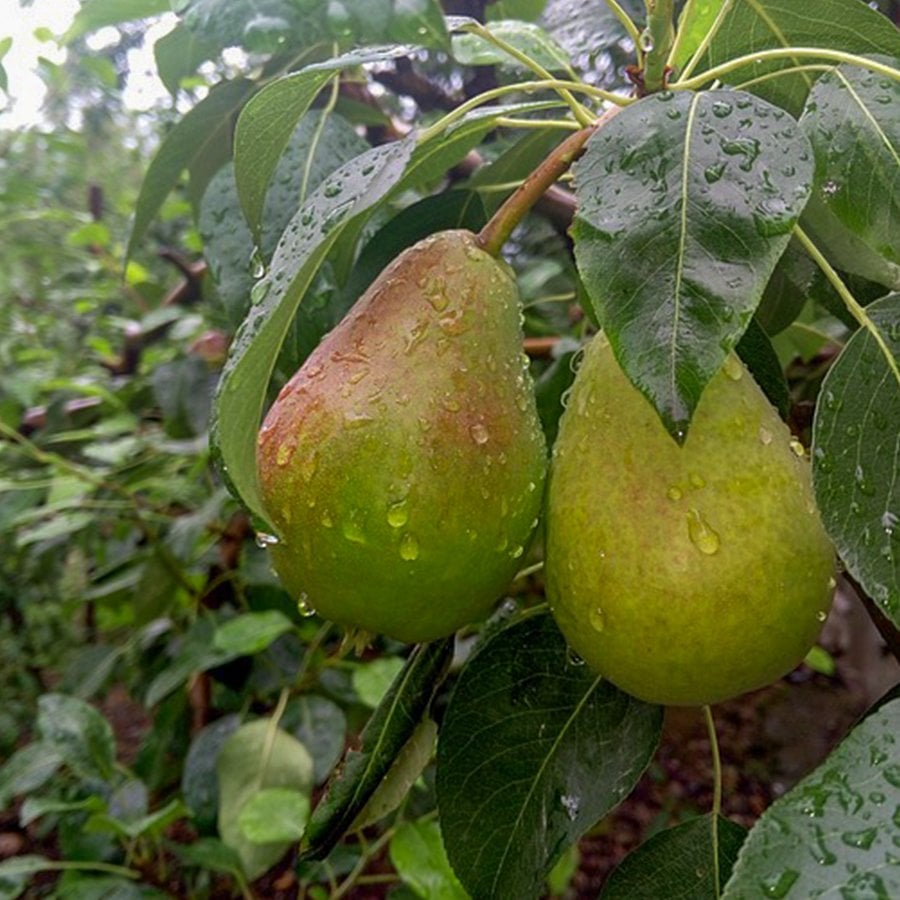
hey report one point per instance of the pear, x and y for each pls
(684, 574)
(403, 464)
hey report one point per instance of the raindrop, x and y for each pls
(517, 551)
(597, 619)
(398, 514)
(697, 481)
(702, 536)
(821, 615)
(674, 493)
(304, 607)
(733, 368)
(257, 265)
(797, 447)
(572, 658)
(283, 456)
(571, 805)
(352, 529)
(779, 885)
(861, 839)
(765, 436)
(479, 433)
(259, 291)
(409, 547)
(645, 41)
(862, 482)
(889, 521)
(721, 109)
(264, 540)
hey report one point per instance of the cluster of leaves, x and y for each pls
(752, 205)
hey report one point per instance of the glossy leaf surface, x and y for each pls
(686, 202)
(856, 456)
(533, 750)
(834, 834)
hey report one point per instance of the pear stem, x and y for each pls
(717, 793)
(501, 225)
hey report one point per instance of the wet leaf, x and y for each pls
(686, 202)
(856, 456)
(835, 832)
(530, 39)
(852, 118)
(390, 727)
(848, 25)
(534, 749)
(678, 863)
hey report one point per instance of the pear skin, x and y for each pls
(684, 574)
(403, 464)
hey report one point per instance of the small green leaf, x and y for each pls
(178, 54)
(274, 815)
(384, 736)
(210, 853)
(534, 749)
(206, 126)
(856, 456)
(263, 130)
(528, 38)
(28, 769)
(678, 862)
(852, 118)
(694, 24)
(321, 727)
(418, 855)
(95, 14)
(835, 833)
(256, 757)
(407, 767)
(372, 680)
(79, 733)
(251, 632)
(686, 202)
(199, 781)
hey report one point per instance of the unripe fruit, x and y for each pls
(403, 464)
(683, 574)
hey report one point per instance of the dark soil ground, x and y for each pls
(768, 741)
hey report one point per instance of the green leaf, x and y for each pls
(533, 751)
(274, 815)
(788, 289)
(384, 736)
(753, 25)
(206, 127)
(856, 456)
(256, 757)
(686, 202)
(372, 680)
(28, 769)
(315, 149)
(262, 27)
(199, 781)
(677, 863)
(178, 54)
(263, 130)
(321, 727)
(852, 118)
(835, 833)
(407, 767)
(96, 14)
(758, 354)
(210, 853)
(79, 733)
(694, 24)
(418, 855)
(251, 632)
(528, 38)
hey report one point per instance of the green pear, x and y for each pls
(403, 464)
(683, 574)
